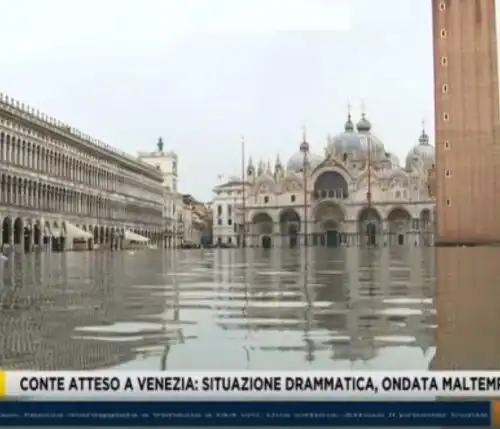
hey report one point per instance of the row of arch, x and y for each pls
(66, 165)
(335, 212)
(326, 225)
(24, 192)
(17, 233)
(334, 185)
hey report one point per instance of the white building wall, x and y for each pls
(225, 208)
(167, 163)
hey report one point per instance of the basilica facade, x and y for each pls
(356, 193)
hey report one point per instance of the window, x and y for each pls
(174, 167)
(448, 203)
(444, 61)
(443, 33)
(229, 222)
(229, 210)
(444, 88)
(292, 198)
(219, 210)
(446, 144)
(447, 173)
(344, 157)
(442, 6)
(229, 240)
(266, 199)
(446, 116)
(219, 221)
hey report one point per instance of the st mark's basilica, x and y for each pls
(357, 193)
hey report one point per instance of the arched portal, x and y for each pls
(90, 241)
(107, 237)
(37, 234)
(27, 237)
(425, 218)
(262, 225)
(266, 242)
(399, 220)
(56, 237)
(18, 231)
(102, 235)
(331, 184)
(426, 227)
(289, 227)
(113, 239)
(369, 227)
(63, 236)
(328, 224)
(96, 234)
(7, 231)
(46, 233)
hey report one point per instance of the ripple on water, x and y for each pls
(215, 310)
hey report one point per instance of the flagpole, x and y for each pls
(243, 196)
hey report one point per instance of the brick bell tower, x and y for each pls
(467, 170)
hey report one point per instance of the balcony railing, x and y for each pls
(323, 194)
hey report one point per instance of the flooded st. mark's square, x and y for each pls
(349, 308)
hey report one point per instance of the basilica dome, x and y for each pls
(423, 152)
(296, 162)
(355, 142)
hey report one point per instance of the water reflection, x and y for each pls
(468, 303)
(226, 309)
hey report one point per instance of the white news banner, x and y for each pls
(250, 385)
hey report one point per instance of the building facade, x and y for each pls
(167, 164)
(467, 123)
(227, 212)
(61, 189)
(196, 221)
(183, 218)
(355, 194)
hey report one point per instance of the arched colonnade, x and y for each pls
(328, 226)
(28, 235)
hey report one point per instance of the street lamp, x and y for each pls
(304, 149)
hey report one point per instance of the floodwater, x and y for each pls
(252, 309)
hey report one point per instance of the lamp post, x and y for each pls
(304, 149)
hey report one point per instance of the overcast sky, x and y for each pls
(201, 73)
